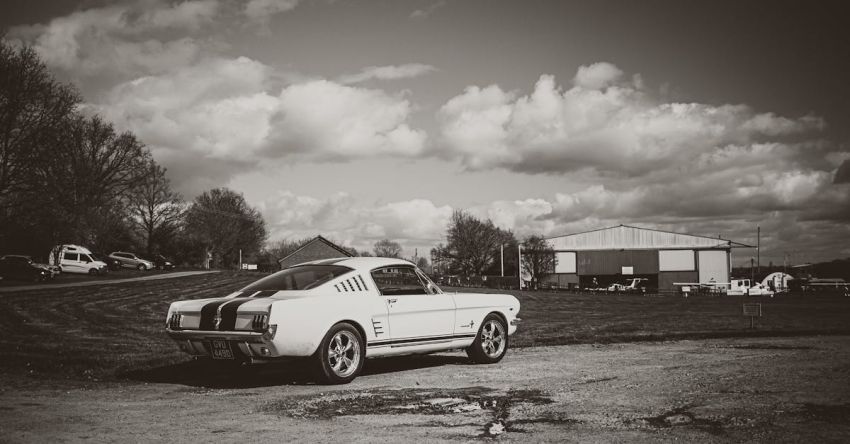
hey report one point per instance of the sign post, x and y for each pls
(752, 310)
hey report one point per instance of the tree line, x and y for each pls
(476, 247)
(68, 176)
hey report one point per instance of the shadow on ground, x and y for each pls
(211, 374)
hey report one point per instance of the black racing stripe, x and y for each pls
(228, 313)
(208, 312)
(413, 341)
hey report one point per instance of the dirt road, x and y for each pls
(766, 390)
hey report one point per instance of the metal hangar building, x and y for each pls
(601, 257)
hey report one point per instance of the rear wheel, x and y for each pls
(491, 343)
(341, 354)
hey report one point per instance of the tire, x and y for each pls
(93, 271)
(341, 355)
(491, 342)
(141, 267)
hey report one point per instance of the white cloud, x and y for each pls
(597, 76)
(231, 110)
(124, 40)
(602, 123)
(424, 13)
(390, 72)
(324, 120)
(415, 223)
(261, 10)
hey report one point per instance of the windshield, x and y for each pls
(303, 277)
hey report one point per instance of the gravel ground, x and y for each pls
(720, 390)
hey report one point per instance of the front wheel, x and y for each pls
(141, 267)
(491, 343)
(341, 354)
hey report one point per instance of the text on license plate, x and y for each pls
(221, 349)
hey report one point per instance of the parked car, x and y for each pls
(341, 311)
(82, 263)
(13, 266)
(131, 260)
(161, 262)
(112, 264)
(76, 259)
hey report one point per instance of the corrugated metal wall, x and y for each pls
(612, 262)
(626, 237)
(667, 278)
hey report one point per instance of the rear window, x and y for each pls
(302, 277)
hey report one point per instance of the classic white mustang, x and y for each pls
(341, 311)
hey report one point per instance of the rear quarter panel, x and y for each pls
(302, 323)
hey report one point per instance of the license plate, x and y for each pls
(221, 349)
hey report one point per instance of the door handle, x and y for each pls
(392, 301)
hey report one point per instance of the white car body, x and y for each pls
(77, 259)
(298, 320)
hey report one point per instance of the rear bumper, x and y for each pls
(247, 345)
(214, 334)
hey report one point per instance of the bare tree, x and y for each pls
(33, 106)
(155, 208)
(224, 223)
(538, 259)
(387, 248)
(91, 167)
(472, 244)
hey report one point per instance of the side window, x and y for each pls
(430, 286)
(85, 258)
(393, 281)
(71, 256)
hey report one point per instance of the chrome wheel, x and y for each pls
(493, 337)
(344, 354)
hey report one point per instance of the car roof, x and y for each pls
(362, 263)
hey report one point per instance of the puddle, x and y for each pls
(683, 417)
(495, 406)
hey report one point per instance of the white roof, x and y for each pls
(634, 238)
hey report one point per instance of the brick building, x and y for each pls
(317, 248)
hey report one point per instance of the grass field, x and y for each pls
(110, 331)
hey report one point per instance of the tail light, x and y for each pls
(174, 321)
(260, 322)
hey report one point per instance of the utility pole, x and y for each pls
(758, 250)
(502, 258)
(752, 272)
(240, 258)
(519, 264)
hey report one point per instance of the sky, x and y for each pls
(369, 119)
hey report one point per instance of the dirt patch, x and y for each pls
(496, 406)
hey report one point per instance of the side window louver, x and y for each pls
(352, 284)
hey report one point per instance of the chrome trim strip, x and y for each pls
(212, 334)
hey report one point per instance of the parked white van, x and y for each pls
(76, 259)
